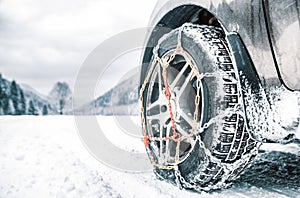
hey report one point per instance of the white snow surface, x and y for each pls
(44, 157)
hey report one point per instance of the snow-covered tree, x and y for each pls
(2, 95)
(14, 95)
(9, 107)
(45, 110)
(22, 103)
(61, 97)
(32, 110)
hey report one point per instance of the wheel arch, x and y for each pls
(199, 15)
(191, 13)
(242, 17)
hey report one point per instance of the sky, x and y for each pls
(43, 41)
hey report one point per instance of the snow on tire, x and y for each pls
(221, 148)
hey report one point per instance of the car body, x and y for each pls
(225, 59)
(268, 29)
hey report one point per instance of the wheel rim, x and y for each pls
(182, 78)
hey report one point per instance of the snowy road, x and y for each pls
(44, 157)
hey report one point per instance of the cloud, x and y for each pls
(44, 41)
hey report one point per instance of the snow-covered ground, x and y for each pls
(44, 157)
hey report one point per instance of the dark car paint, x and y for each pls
(250, 19)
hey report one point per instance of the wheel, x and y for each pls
(194, 127)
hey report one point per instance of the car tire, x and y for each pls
(225, 147)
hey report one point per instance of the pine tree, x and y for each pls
(2, 95)
(31, 109)
(14, 95)
(6, 105)
(22, 103)
(45, 110)
(9, 108)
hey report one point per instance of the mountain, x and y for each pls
(22, 99)
(120, 100)
(58, 101)
(39, 99)
(30, 90)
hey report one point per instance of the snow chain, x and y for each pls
(197, 129)
(165, 64)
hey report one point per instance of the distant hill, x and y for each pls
(39, 99)
(22, 99)
(120, 100)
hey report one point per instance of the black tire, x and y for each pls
(230, 145)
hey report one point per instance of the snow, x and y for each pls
(44, 157)
(273, 115)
